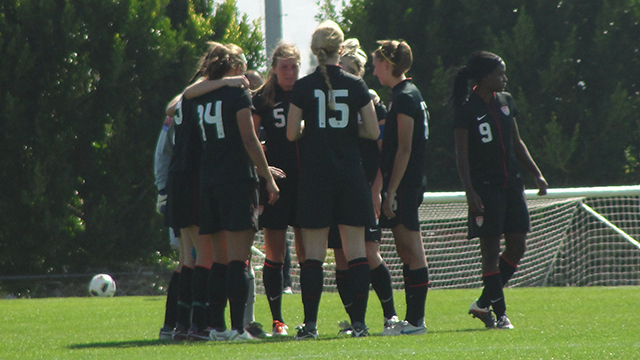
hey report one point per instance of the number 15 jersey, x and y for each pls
(329, 144)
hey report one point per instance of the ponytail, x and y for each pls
(460, 87)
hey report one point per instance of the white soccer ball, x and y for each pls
(102, 285)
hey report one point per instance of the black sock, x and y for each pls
(405, 278)
(184, 299)
(286, 269)
(311, 282)
(417, 294)
(344, 290)
(359, 280)
(381, 283)
(237, 292)
(199, 314)
(217, 295)
(492, 294)
(272, 278)
(506, 271)
(171, 306)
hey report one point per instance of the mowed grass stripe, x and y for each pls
(559, 323)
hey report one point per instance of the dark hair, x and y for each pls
(397, 53)
(480, 64)
(219, 63)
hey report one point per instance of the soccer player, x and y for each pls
(232, 159)
(333, 188)
(488, 149)
(353, 61)
(271, 104)
(162, 161)
(403, 172)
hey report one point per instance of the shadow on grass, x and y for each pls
(144, 343)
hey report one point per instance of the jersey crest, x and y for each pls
(479, 221)
(505, 110)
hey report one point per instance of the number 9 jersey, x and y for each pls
(492, 160)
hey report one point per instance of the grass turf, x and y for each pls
(550, 323)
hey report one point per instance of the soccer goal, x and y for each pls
(579, 237)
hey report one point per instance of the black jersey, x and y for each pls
(187, 147)
(224, 157)
(492, 159)
(329, 144)
(369, 148)
(406, 99)
(280, 152)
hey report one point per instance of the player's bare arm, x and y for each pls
(203, 86)
(295, 125)
(369, 128)
(254, 149)
(461, 137)
(405, 140)
(523, 155)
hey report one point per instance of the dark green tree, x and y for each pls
(83, 88)
(572, 67)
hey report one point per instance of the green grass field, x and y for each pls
(550, 323)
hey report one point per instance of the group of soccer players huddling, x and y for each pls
(336, 165)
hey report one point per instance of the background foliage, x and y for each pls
(573, 67)
(83, 85)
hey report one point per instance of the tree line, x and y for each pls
(84, 83)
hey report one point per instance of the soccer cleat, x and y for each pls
(484, 314)
(195, 335)
(345, 328)
(223, 335)
(180, 335)
(234, 335)
(255, 329)
(166, 333)
(305, 333)
(406, 328)
(279, 328)
(287, 290)
(389, 326)
(504, 323)
(360, 330)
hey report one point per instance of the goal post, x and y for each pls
(579, 237)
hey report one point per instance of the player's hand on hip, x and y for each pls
(277, 173)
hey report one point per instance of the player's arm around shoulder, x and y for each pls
(523, 155)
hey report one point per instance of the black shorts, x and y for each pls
(326, 201)
(408, 201)
(371, 233)
(283, 213)
(182, 200)
(231, 207)
(505, 211)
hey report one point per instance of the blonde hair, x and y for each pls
(283, 51)
(206, 59)
(397, 53)
(354, 53)
(326, 42)
(236, 57)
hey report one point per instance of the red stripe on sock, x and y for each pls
(509, 262)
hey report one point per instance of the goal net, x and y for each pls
(579, 237)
